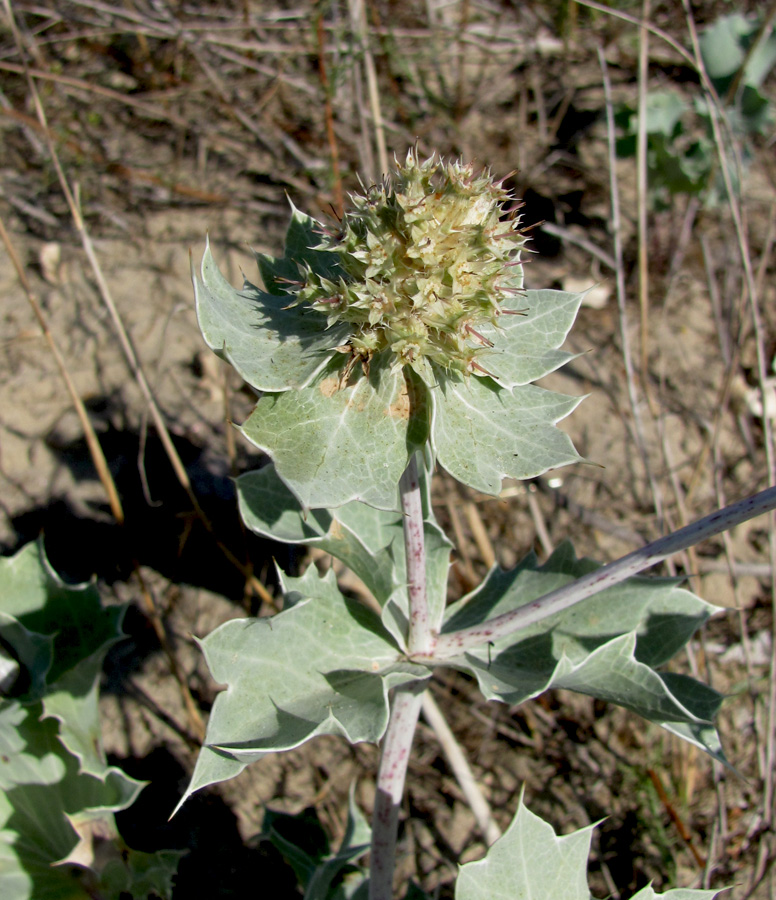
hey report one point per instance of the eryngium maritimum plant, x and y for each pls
(407, 328)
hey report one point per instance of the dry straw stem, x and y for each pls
(461, 769)
(126, 172)
(638, 426)
(92, 441)
(359, 24)
(641, 201)
(124, 339)
(339, 200)
(717, 115)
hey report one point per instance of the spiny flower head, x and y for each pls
(425, 258)
(408, 330)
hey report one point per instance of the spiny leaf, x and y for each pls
(531, 862)
(332, 444)
(323, 666)
(526, 347)
(368, 540)
(605, 646)
(73, 632)
(303, 236)
(482, 434)
(41, 786)
(274, 347)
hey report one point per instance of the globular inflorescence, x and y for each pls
(425, 258)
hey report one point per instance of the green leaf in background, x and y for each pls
(605, 646)
(28, 659)
(80, 631)
(41, 788)
(531, 862)
(140, 874)
(724, 46)
(58, 793)
(324, 875)
(482, 433)
(73, 615)
(323, 666)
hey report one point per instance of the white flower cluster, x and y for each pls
(425, 258)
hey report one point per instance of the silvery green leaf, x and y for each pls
(274, 346)
(363, 537)
(369, 541)
(727, 44)
(29, 655)
(525, 348)
(482, 433)
(41, 788)
(302, 238)
(56, 789)
(323, 666)
(530, 862)
(605, 646)
(332, 444)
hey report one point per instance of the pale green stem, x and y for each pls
(394, 759)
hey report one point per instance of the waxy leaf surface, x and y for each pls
(71, 621)
(332, 444)
(526, 346)
(482, 434)
(274, 347)
(40, 787)
(322, 666)
(56, 789)
(530, 862)
(369, 541)
(604, 646)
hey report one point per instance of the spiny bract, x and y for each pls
(425, 258)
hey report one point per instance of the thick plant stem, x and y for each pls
(406, 700)
(421, 636)
(456, 643)
(394, 758)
